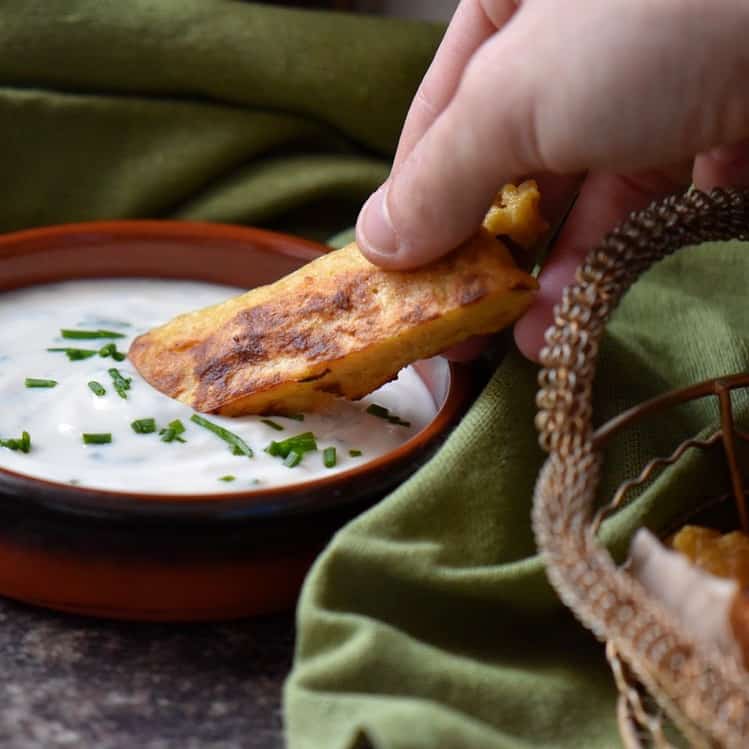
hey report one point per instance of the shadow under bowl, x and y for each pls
(130, 555)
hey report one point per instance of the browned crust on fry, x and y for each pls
(340, 325)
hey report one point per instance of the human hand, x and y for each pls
(624, 101)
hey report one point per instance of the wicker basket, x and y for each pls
(659, 670)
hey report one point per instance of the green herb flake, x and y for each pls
(33, 382)
(76, 354)
(228, 478)
(295, 417)
(398, 421)
(144, 426)
(22, 443)
(87, 335)
(272, 424)
(237, 445)
(111, 350)
(274, 449)
(379, 411)
(300, 443)
(293, 459)
(97, 388)
(383, 413)
(329, 457)
(172, 431)
(97, 439)
(121, 384)
(177, 426)
(355, 453)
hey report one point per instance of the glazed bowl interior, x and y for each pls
(236, 256)
(177, 557)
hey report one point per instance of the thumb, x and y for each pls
(439, 194)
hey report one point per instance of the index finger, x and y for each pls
(469, 28)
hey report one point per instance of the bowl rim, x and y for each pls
(165, 229)
(458, 392)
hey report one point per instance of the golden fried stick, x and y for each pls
(339, 326)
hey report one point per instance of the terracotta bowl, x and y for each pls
(166, 557)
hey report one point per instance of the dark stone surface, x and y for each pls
(74, 682)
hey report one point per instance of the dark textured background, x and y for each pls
(74, 682)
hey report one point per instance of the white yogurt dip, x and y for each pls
(56, 418)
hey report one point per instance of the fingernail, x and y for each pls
(375, 227)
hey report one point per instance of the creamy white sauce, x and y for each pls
(56, 418)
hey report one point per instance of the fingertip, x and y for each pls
(530, 330)
(374, 229)
(384, 245)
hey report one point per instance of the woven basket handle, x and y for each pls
(605, 599)
(608, 271)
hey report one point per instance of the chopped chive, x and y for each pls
(96, 388)
(172, 432)
(398, 421)
(22, 443)
(121, 384)
(97, 439)
(379, 411)
(76, 354)
(177, 425)
(144, 426)
(82, 335)
(329, 458)
(296, 417)
(272, 424)
(79, 354)
(33, 382)
(293, 459)
(111, 350)
(300, 443)
(383, 413)
(355, 453)
(228, 478)
(237, 445)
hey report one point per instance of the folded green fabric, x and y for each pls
(214, 110)
(428, 622)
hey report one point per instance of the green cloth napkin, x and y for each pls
(428, 622)
(212, 110)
